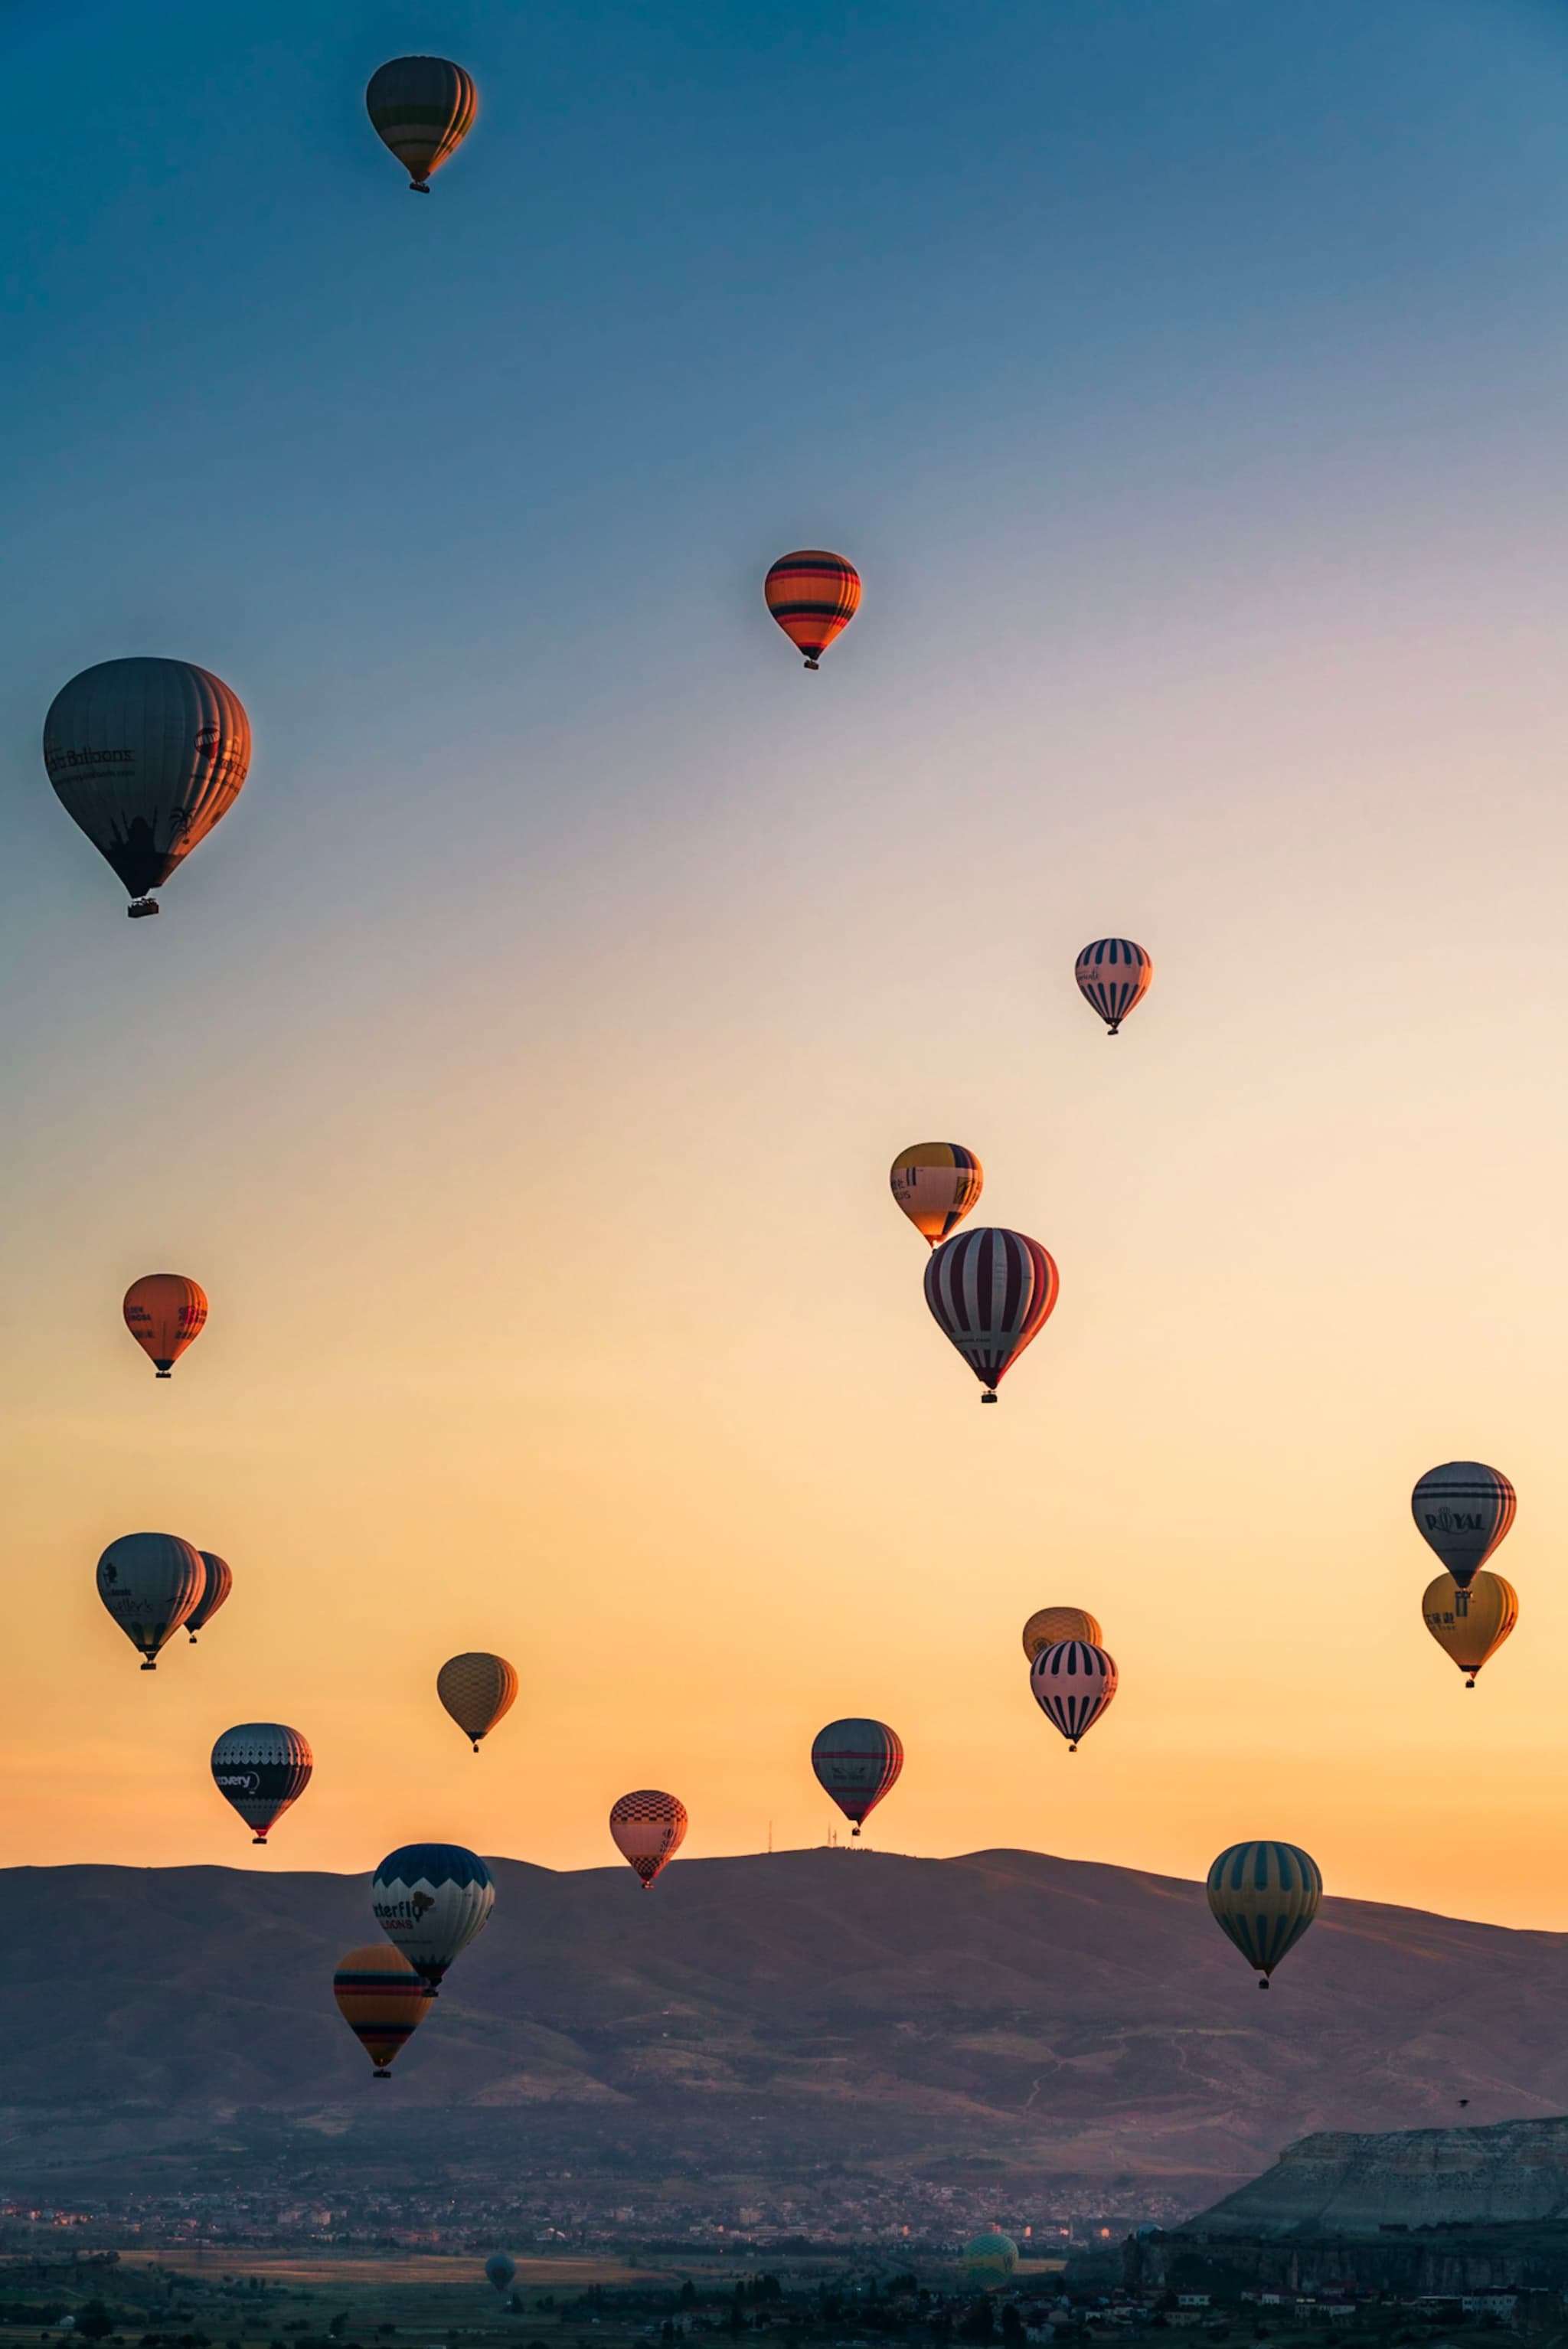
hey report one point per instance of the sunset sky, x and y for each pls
(519, 1066)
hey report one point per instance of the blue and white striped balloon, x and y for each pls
(1113, 976)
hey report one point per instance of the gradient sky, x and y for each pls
(520, 1065)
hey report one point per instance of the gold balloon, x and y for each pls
(1470, 1625)
(477, 1690)
(1049, 1624)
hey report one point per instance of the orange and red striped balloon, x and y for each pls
(813, 597)
(381, 1999)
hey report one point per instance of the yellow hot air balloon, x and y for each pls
(937, 1184)
(1470, 1625)
(165, 1313)
(423, 108)
(1049, 1624)
(477, 1691)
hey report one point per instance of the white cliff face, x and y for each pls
(1337, 2183)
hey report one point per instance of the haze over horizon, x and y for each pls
(519, 1066)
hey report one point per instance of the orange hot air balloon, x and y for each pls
(813, 597)
(648, 1829)
(477, 1690)
(937, 1184)
(1049, 1624)
(382, 1999)
(164, 1313)
(1470, 1626)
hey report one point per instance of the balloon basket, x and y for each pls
(418, 187)
(381, 2075)
(149, 1664)
(812, 664)
(261, 1840)
(1263, 1983)
(990, 1396)
(141, 908)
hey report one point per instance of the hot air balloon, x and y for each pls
(937, 1184)
(500, 2270)
(382, 1999)
(423, 108)
(990, 2257)
(1113, 976)
(1463, 1510)
(1470, 1625)
(1263, 1897)
(165, 1313)
(261, 1767)
(648, 1829)
(430, 1899)
(813, 597)
(1073, 1682)
(856, 1762)
(992, 1293)
(477, 1690)
(1049, 1624)
(219, 1581)
(150, 1583)
(147, 756)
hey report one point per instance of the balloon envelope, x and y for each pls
(477, 1690)
(219, 1581)
(165, 1312)
(1113, 976)
(1463, 1509)
(1470, 1625)
(989, 2258)
(423, 108)
(648, 1829)
(261, 1767)
(992, 1292)
(147, 756)
(937, 1184)
(430, 1899)
(1049, 1624)
(813, 595)
(1263, 1895)
(150, 1583)
(500, 2270)
(381, 1999)
(856, 1762)
(1073, 1682)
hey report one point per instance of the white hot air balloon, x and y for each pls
(430, 1899)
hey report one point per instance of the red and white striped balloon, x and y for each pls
(1073, 1682)
(992, 1292)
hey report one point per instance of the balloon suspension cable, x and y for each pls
(476, 1745)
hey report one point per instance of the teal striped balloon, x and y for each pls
(1263, 1897)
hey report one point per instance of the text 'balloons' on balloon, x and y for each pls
(1049, 1624)
(215, 1588)
(813, 595)
(430, 1899)
(261, 1767)
(1113, 976)
(856, 1763)
(500, 2270)
(1470, 1625)
(1072, 1682)
(477, 1690)
(937, 1184)
(1463, 1509)
(991, 1292)
(165, 1312)
(382, 1999)
(648, 1829)
(149, 1584)
(147, 756)
(1263, 1895)
(422, 110)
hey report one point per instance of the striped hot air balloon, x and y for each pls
(1049, 1624)
(219, 1581)
(478, 1690)
(1463, 1509)
(937, 1184)
(856, 1762)
(1113, 976)
(992, 1292)
(423, 108)
(149, 1584)
(165, 1313)
(1073, 1682)
(813, 597)
(147, 756)
(430, 1899)
(1263, 1897)
(382, 1999)
(648, 1829)
(1470, 1626)
(261, 1767)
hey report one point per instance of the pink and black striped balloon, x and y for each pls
(991, 1292)
(1073, 1682)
